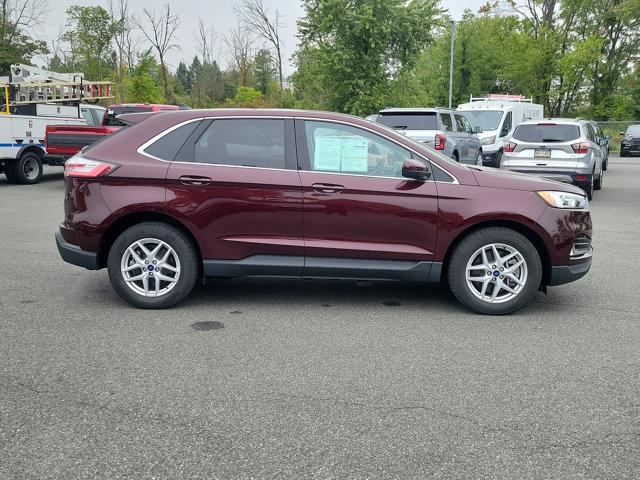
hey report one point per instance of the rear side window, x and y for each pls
(546, 132)
(243, 143)
(167, 146)
(409, 120)
(446, 122)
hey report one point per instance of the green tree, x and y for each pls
(141, 86)
(357, 48)
(183, 75)
(90, 32)
(264, 71)
(17, 45)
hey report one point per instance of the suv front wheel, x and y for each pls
(495, 271)
(153, 265)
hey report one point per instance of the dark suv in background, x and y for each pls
(444, 130)
(630, 144)
(236, 193)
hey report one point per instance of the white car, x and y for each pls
(495, 117)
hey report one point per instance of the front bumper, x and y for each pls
(569, 273)
(630, 148)
(75, 255)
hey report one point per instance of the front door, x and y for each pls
(362, 219)
(235, 181)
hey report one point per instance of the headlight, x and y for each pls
(489, 140)
(564, 200)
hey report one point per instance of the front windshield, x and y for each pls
(487, 120)
(633, 130)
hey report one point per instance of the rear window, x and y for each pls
(546, 132)
(111, 114)
(167, 146)
(409, 120)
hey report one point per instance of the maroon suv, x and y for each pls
(242, 193)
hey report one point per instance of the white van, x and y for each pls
(495, 117)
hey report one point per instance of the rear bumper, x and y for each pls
(75, 255)
(573, 177)
(569, 273)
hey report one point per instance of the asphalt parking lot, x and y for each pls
(316, 379)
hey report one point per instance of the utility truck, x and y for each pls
(32, 98)
(495, 117)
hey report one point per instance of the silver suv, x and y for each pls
(444, 130)
(560, 149)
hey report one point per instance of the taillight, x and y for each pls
(580, 148)
(82, 167)
(509, 147)
(441, 140)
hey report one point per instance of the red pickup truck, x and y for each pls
(67, 140)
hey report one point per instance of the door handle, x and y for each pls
(194, 180)
(327, 188)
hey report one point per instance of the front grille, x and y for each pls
(581, 246)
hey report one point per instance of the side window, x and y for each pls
(243, 142)
(462, 123)
(591, 135)
(344, 149)
(445, 118)
(86, 114)
(167, 146)
(507, 125)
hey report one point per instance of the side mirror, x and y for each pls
(622, 134)
(608, 137)
(415, 170)
(477, 129)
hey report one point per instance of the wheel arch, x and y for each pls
(121, 224)
(519, 227)
(31, 149)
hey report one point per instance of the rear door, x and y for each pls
(359, 212)
(472, 142)
(235, 180)
(545, 146)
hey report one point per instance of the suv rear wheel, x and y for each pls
(153, 265)
(495, 271)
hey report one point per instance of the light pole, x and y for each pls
(453, 33)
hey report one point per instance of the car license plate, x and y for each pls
(542, 153)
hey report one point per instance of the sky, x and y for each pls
(220, 15)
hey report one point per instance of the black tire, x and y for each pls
(605, 165)
(183, 248)
(588, 189)
(27, 170)
(8, 172)
(623, 154)
(468, 246)
(455, 156)
(597, 184)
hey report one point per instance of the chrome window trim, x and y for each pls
(158, 136)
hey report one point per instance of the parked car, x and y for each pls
(603, 141)
(630, 144)
(63, 141)
(444, 130)
(495, 117)
(565, 150)
(242, 192)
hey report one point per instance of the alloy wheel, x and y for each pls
(496, 273)
(150, 267)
